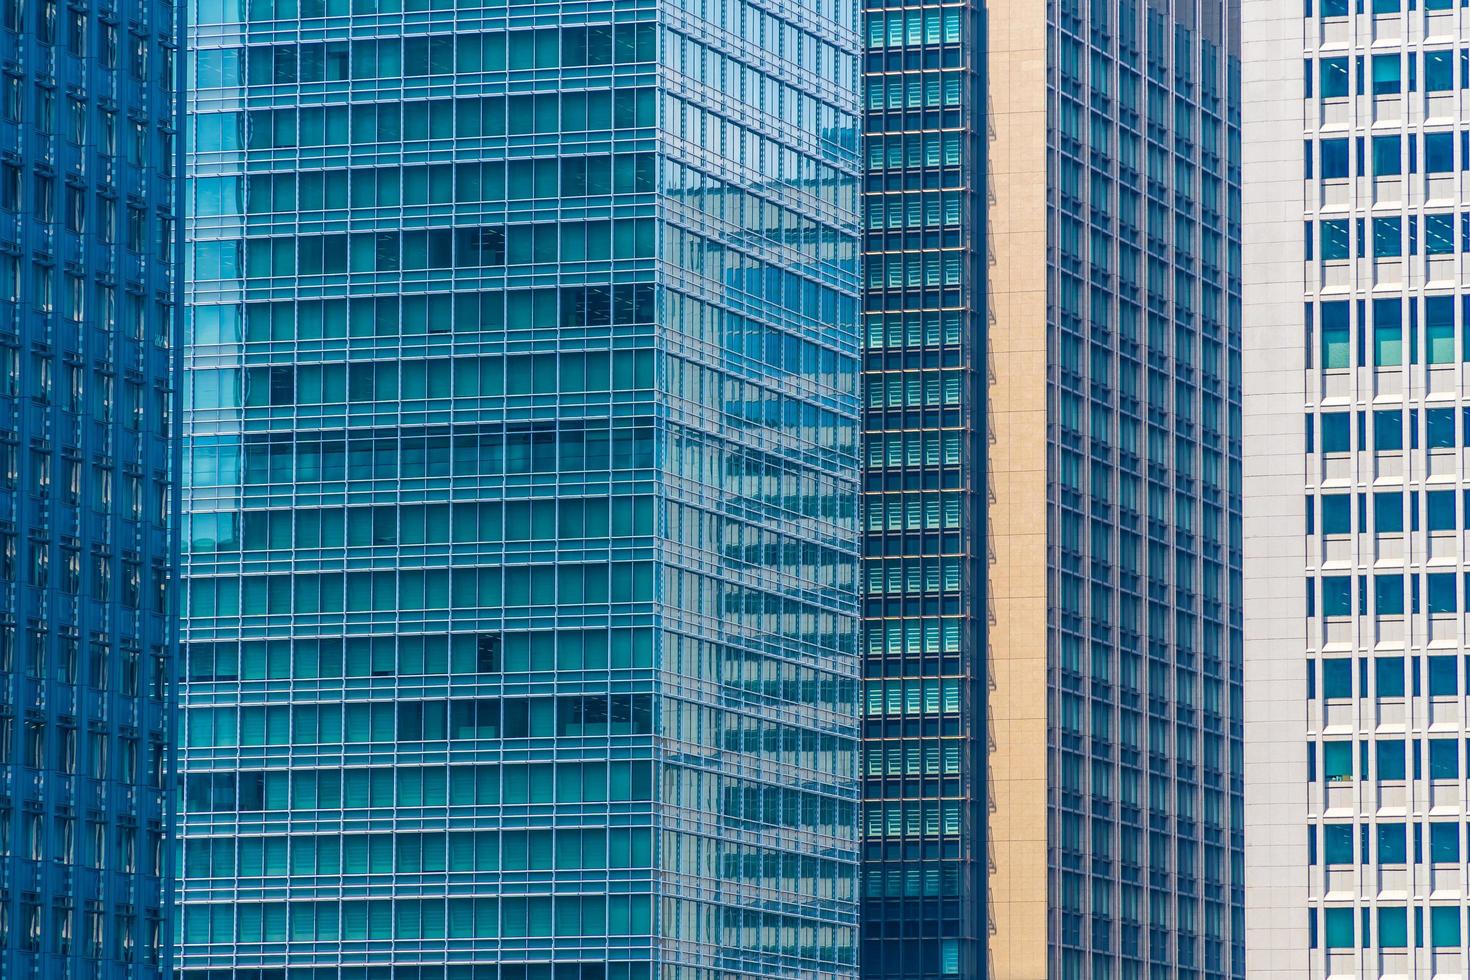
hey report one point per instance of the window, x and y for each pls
(1336, 432)
(1334, 240)
(1387, 156)
(1444, 843)
(487, 654)
(1387, 73)
(1440, 592)
(1336, 336)
(1337, 761)
(1444, 758)
(1444, 926)
(1388, 432)
(1439, 329)
(1388, 337)
(1388, 594)
(1334, 80)
(1439, 70)
(1337, 513)
(1439, 234)
(1392, 844)
(1388, 239)
(1337, 595)
(1393, 927)
(1439, 428)
(1338, 928)
(1337, 679)
(1443, 675)
(1439, 510)
(1334, 159)
(1337, 843)
(1390, 757)
(1439, 153)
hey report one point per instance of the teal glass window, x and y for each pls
(1444, 926)
(1439, 71)
(1439, 234)
(1393, 927)
(1439, 329)
(1439, 153)
(1337, 761)
(1387, 70)
(1444, 842)
(1335, 159)
(1388, 237)
(1443, 675)
(1439, 510)
(1440, 592)
(1393, 843)
(1388, 677)
(1388, 332)
(1337, 679)
(1337, 595)
(1337, 513)
(1334, 240)
(1439, 428)
(1388, 430)
(1444, 758)
(1388, 156)
(1390, 759)
(1338, 928)
(1388, 595)
(1336, 336)
(1334, 79)
(1337, 843)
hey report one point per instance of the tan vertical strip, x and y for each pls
(1018, 351)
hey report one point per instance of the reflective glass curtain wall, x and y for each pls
(1144, 812)
(87, 116)
(923, 837)
(521, 491)
(923, 841)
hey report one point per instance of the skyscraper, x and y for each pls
(1355, 488)
(924, 572)
(522, 491)
(87, 357)
(1113, 646)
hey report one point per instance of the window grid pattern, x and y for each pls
(1384, 161)
(923, 831)
(87, 121)
(1145, 832)
(521, 492)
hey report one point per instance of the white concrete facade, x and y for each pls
(1356, 386)
(1274, 531)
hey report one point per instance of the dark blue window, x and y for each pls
(1393, 843)
(1388, 595)
(1337, 432)
(1390, 757)
(1444, 843)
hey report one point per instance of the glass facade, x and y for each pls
(923, 571)
(88, 106)
(521, 491)
(1384, 153)
(1144, 505)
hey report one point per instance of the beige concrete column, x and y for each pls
(1016, 115)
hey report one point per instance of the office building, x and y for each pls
(1355, 488)
(521, 491)
(1112, 653)
(924, 572)
(88, 109)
